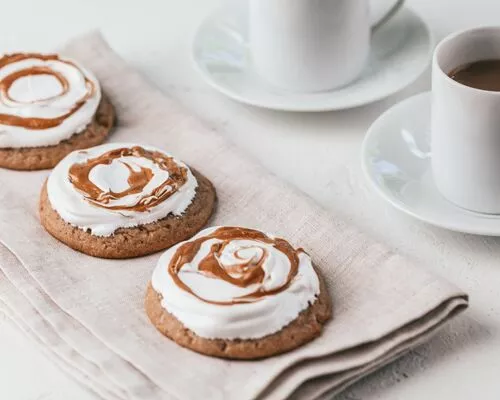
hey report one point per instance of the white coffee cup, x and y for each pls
(312, 45)
(465, 138)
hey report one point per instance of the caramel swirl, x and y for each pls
(37, 122)
(137, 180)
(244, 274)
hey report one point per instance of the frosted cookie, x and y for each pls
(49, 106)
(122, 200)
(237, 293)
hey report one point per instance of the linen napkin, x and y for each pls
(87, 314)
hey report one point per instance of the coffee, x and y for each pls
(483, 75)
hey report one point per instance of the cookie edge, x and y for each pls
(102, 247)
(287, 339)
(49, 156)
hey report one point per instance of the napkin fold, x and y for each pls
(87, 314)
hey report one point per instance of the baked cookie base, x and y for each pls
(303, 329)
(35, 158)
(136, 241)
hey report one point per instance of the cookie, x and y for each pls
(237, 293)
(49, 106)
(124, 200)
(36, 158)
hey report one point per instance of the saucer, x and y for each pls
(401, 51)
(397, 162)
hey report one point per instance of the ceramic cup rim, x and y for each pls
(450, 39)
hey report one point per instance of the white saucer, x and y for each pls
(401, 51)
(396, 160)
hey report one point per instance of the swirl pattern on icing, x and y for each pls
(140, 176)
(44, 99)
(119, 185)
(231, 282)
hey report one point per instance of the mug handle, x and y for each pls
(391, 13)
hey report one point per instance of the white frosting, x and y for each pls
(40, 96)
(252, 320)
(75, 209)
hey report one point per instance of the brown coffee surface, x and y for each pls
(483, 75)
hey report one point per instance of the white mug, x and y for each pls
(465, 129)
(311, 45)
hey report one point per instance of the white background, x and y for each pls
(317, 152)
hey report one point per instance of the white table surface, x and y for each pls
(317, 152)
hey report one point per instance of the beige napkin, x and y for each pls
(87, 313)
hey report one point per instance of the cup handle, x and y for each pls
(391, 13)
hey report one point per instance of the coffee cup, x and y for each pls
(465, 128)
(312, 45)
